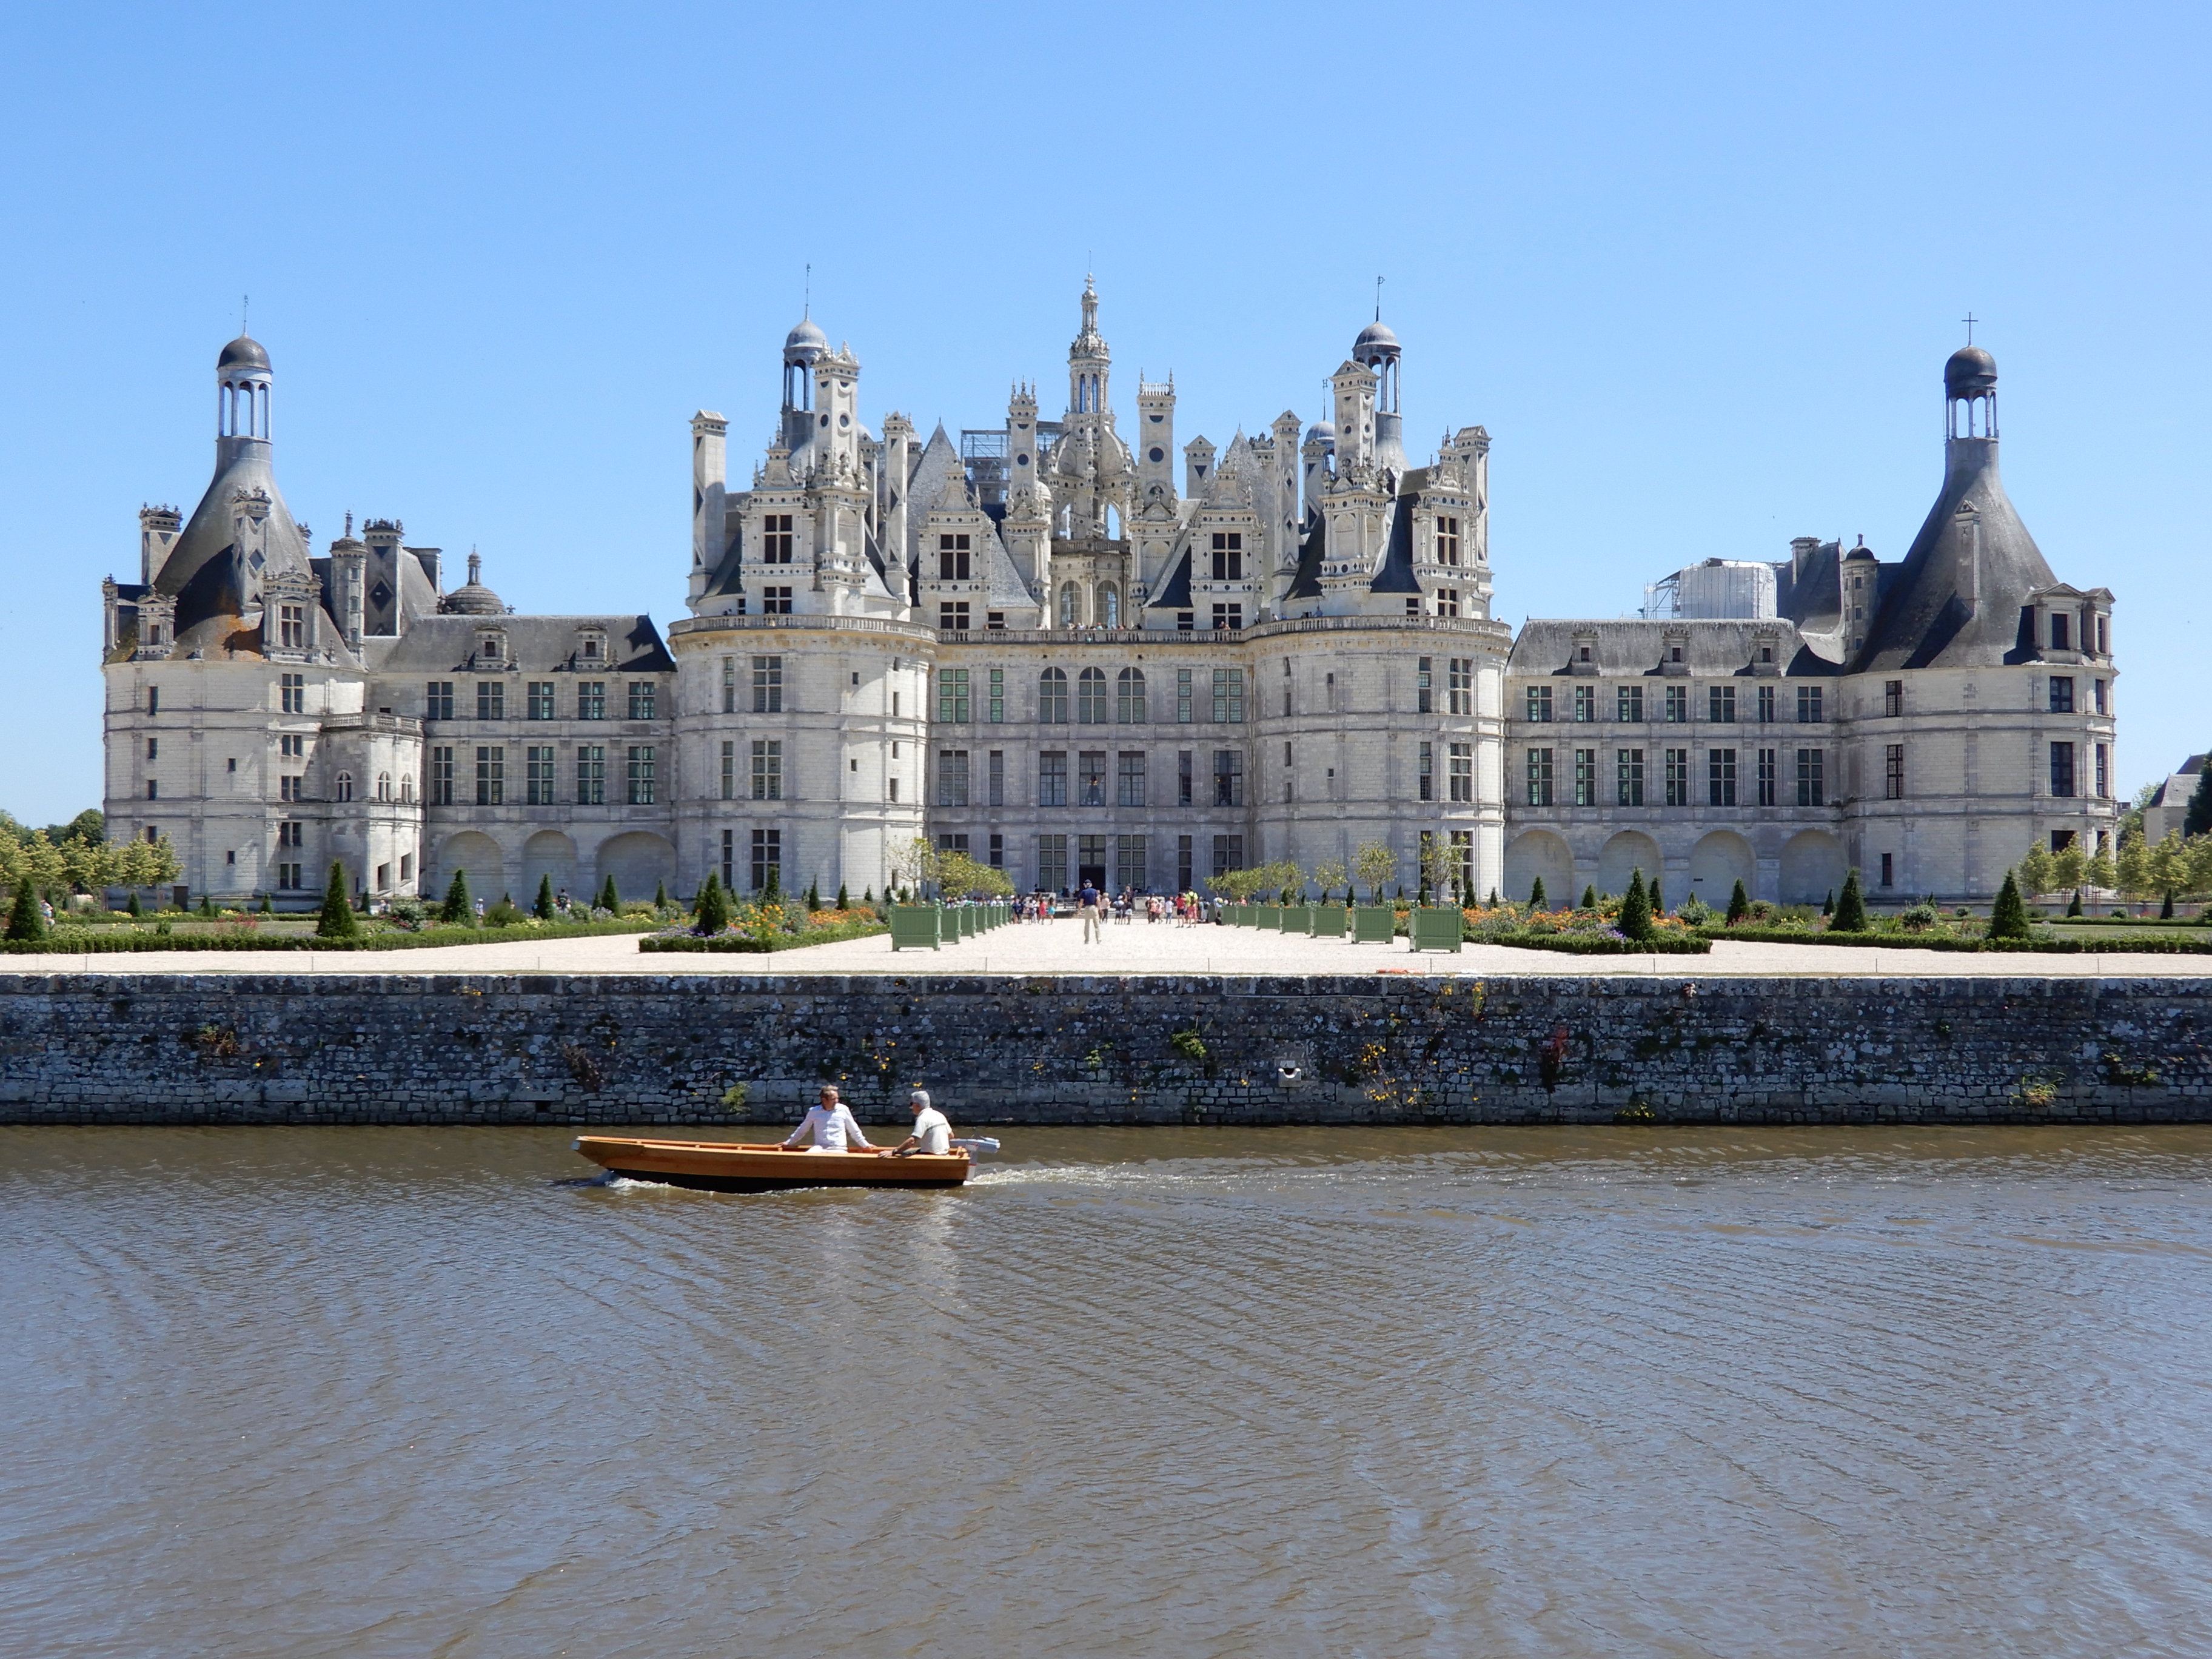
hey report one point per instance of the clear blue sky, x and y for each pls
(1697, 270)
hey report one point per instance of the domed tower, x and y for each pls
(1970, 394)
(802, 347)
(1376, 351)
(242, 385)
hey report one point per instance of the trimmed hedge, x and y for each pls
(62, 943)
(748, 944)
(2044, 945)
(1602, 945)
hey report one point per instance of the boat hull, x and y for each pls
(721, 1166)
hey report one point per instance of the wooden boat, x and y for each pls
(723, 1166)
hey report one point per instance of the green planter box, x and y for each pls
(1299, 919)
(1435, 930)
(1269, 916)
(914, 927)
(1373, 924)
(1328, 921)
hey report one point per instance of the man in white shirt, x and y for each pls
(932, 1133)
(832, 1127)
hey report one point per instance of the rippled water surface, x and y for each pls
(1143, 1392)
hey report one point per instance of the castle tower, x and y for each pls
(1376, 352)
(1090, 364)
(1156, 406)
(349, 587)
(801, 347)
(243, 382)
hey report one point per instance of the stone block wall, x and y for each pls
(606, 1049)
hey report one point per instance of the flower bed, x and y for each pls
(1900, 940)
(69, 941)
(1665, 942)
(757, 929)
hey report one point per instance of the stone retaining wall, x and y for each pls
(667, 1048)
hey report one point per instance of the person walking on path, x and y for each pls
(831, 1125)
(1086, 906)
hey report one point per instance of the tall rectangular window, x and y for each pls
(643, 786)
(997, 712)
(438, 701)
(1809, 706)
(491, 700)
(1091, 776)
(2062, 768)
(1678, 704)
(997, 854)
(1052, 778)
(1427, 774)
(1462, 844)
(1185, 794)
(1462, 773)
(1447, 541)
(1129, 872)
(1766, 783)
(1720, 704)
(953, 554)
(953, 696)
(441, 777)
(491, 776)
(767, 768)
(291, 687)
(1052, 863)
(768, 686)
(2099, 702)
(642, 700)
(1585, 777)
(2104, 771)
(1228, 556)
(729, 705)
(768, 859)
(1585, 704)
(288, 787)
(995, 775)
(1628, 704)
(1228, 853)
(154, 700)
(1628, 776)
(729, 769)
(1183, 697)
(1229, 778)
(292, 626)
(1129, 778)
(591, 775)
(1889, 869)
(1539, 703)
(1892, 698)
(1424, 695)
(1678, 777)
(2060, 633)
(1766, 705)
(1539, 777)
(591, 700)
(537, 776)
(1184, 871)
(537, 700)
(1228, 695)
(729, 858)
(1129, 704)
(952, 777)
(1892, 772)
(1720, 777)
(2061, 693)
(775, 544)
(1811, 777)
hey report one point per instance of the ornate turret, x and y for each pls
(473, 598)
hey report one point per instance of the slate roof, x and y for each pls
(1714, 649)
(545, 645)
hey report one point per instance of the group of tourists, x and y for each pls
(1095, 909)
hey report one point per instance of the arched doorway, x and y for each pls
(1812, 867)
(639, 860)
(1717, 863)
(548, 853)
(1625, 853)
(1539, 852)
(477, 856)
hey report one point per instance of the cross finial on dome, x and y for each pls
(1378, 299)
(1971, 320)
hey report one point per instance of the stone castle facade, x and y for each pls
(1035, 645)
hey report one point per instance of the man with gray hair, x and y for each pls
(932, 1133)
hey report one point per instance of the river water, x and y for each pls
(1144, 1391)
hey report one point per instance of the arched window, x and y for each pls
(1071, 604)
(1129, 697)
(384, 786)
(1110, 605)
(1091, 696)
(406, 788)
(1052, 695)
(345, 786)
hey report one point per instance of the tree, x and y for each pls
(610, 899)
(770, 893)
(2067, 866)
(2074, 908)
(1636, 909)
(2035, 870)
(1375, 865)
(26, 922)
(2008, 915)
(456, 907)
(2131, 869)
(660, 895)
(1590, 896)
(1329, 875)
(1658, 904)
(814, 895)
(1536, 897)
(337, 920)
(1439, 862)
(912, 863)
(714, 907)
(1828, 904)
(1739, 904)
(843, 902)
(1851, 915)
(542, 908)
(2198, 819)
(133, 906)
(2099, 870)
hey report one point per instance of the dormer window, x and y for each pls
(591, 650)
(1582, 654)
(491, 648)
(292, 626)
(1766, 653)
(1675, 654)
(2058, 633)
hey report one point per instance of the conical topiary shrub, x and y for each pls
(2008, 915)
(26, 922)
(456, 907)
(843, 903)
(543, 909)
(1658, 904)
(1739, 904)
(1590, 896)
(133, 907)
(2074, 909)
(1851, 915)
(1828, 904)
(1635, 910)
(337, 920)
(713, 907)
(609, 898)
(1536, 894)
(660, 895)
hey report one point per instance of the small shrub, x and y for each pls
(1851, 913)
(2008, 915)
(1536, 895)
(543, 909)
(1589, 898)
(1918, 918)
(1636, 909)
(337, 920)
(610, 900)
(1739, 904)
(26, 920)
(457, 909)
(505, 913)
